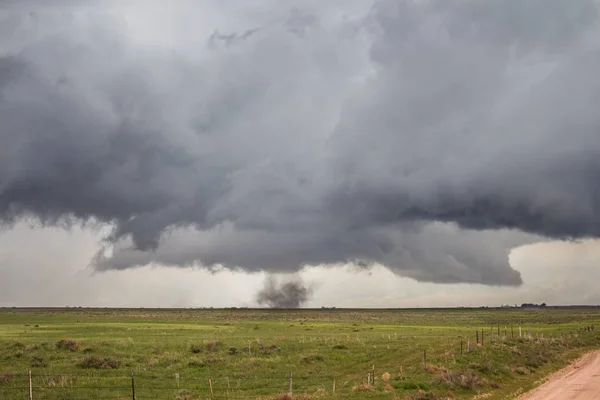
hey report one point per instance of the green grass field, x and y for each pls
(249, 354)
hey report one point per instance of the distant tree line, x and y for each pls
(532, 305)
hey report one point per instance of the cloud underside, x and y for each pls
(427, 136)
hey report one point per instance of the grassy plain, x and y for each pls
(248, 354)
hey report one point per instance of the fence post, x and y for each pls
(461, 346)
(373, 375)
(482, 337)
(291, 384)
(30, 386)
(477, 337)
(425, 359)
(132, 386)
(211, 391)
(334, 386)
(468, 345)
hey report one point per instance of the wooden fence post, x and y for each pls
(482, 337)
(425, 359)
(211, 391)
(30, 387)
(132, 386)
(373, 375)
(477, 337)
(461, 346)
(291, 393)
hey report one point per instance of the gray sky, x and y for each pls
(230, 139)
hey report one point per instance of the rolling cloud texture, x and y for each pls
(429, 136)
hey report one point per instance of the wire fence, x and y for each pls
(144, 385)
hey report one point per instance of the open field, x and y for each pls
(248, 354)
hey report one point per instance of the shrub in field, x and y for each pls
(266, 350)
(196, 348)
(464, 380)
(37, 362)
(535, 360)
(97, 362)
(213, 345)
(422, 395)
(70, 345)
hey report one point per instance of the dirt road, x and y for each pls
(578, 381)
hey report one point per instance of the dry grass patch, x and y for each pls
(363, 387)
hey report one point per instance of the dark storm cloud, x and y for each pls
(312, 140)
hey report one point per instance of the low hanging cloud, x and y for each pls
(427, 136)
(290, 293)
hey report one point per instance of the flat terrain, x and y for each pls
(578, 381)
(248, 354)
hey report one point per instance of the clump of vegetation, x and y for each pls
(465, 380)
(312, 358)
(196, 348)
(5, 379)
(340, 347)
(70, 345)
(266, 350)
(363, 387)
(213, 345)
(37, 362)
(97, 362)
(422, 395)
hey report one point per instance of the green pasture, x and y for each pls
(249, 354)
